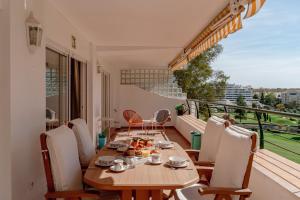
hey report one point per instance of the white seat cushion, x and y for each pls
(65, 166)
(86, 148)
(232, 160)
(210, 140)
(191, 193)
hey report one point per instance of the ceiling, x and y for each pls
(140, 33)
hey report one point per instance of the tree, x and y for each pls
(270, 99)
(262, 98)
(241, 113)
(255, 96)
(280, 107)
(199, 80)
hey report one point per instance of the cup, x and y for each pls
(155, 157)
(119, 164)
(177, 160)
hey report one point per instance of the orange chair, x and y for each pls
(133, 119)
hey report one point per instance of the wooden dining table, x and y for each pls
(144, 180)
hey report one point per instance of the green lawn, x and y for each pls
(287, 141)
(251, 118)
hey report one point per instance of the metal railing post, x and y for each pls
(208, 109)
(197, 110)
(261, 131)
(225, 109)
(188, 105)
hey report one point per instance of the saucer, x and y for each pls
(113, 168)
(154, 163)
(177, 166)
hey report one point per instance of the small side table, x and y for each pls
(147, 123)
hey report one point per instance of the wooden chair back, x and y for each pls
(250, 162)
(47, 163)
(132, 117)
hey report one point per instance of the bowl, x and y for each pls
(105, 160)
(164, 144)
(116, 144)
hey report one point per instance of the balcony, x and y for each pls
(79, 69)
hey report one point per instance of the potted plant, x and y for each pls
(179, 109)
(102, 138)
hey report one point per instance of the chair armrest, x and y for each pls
(193, 154)
(204, 163)
(205, 174)
(225, 191)
(71, 194)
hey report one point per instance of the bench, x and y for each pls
(185, 124)
(272, 172)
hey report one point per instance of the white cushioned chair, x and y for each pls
(210, 141)
(86, 148)
(231, 173)
(62, 167)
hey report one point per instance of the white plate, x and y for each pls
(178, 166)
(105, 161)
(112, 168)
(115, 145)
(165, 144)
(167, 147)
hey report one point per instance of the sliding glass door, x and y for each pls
(66, 89)
(105, 99)
(56, 89)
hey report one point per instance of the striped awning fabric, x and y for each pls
(228, 28)
(221, 26)
(253, 7)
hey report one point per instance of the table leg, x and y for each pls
(142, 194)
(157, 194)
(126, 194)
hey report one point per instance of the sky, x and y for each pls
(266, 52)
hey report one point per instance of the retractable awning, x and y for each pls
(226, 22)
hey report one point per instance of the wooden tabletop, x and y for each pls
(143, 176)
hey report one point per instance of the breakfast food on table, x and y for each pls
(141, 147)
(141, 143)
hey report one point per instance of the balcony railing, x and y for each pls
(279, 131)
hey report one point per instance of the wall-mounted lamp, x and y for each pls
(34, 32)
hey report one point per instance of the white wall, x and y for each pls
(144, 103)
(27, 106)
(23, 99)
(59, 30)
(5, 157)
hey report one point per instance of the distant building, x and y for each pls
(291, 96)
(233, 91)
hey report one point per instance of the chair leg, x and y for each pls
(128, 130)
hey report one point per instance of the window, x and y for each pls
(52, 82)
